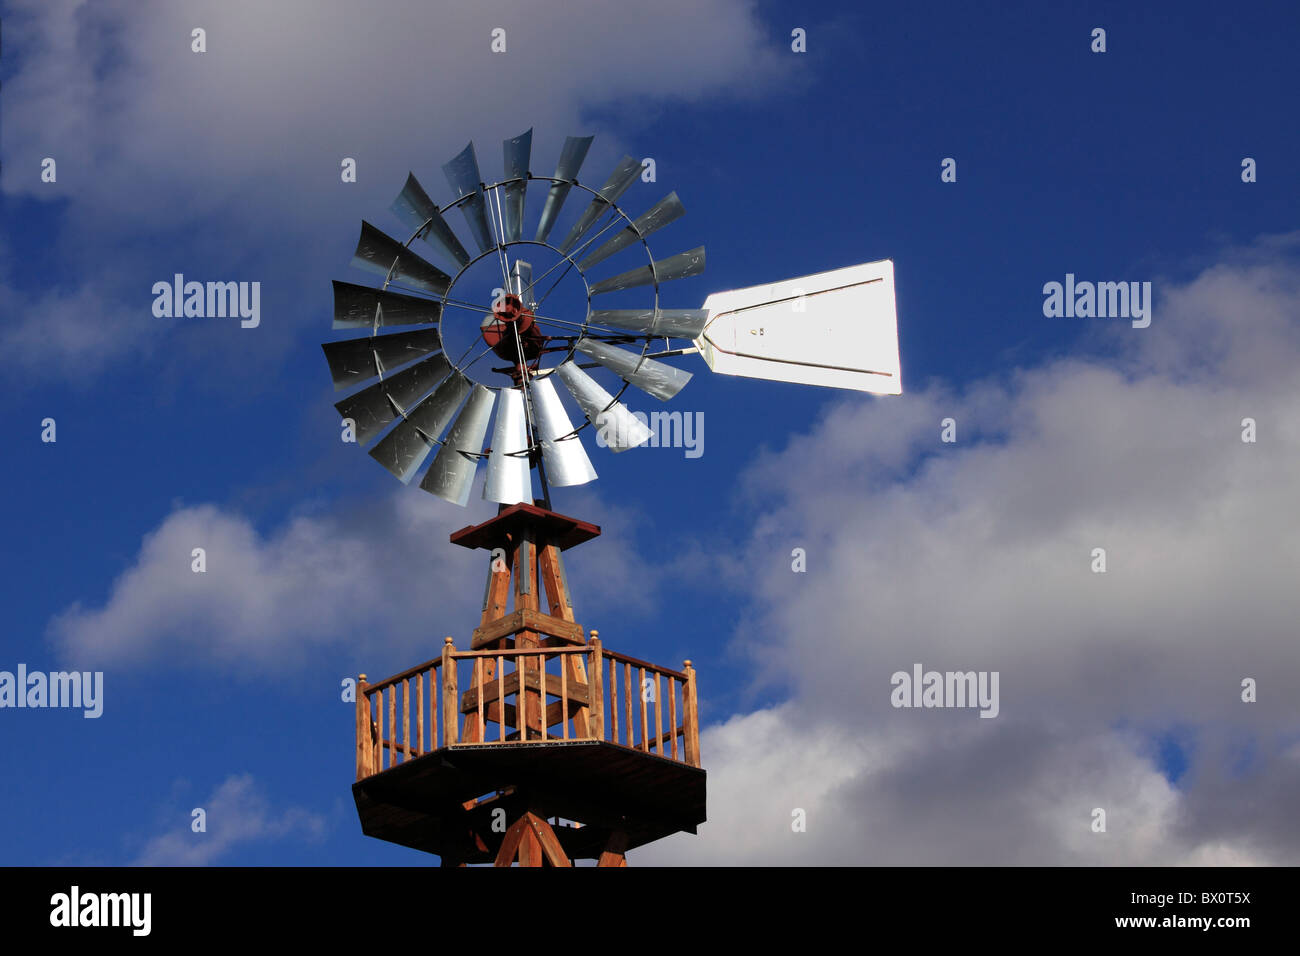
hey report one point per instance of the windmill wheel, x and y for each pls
(494, 332)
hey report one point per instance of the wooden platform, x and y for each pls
(608, 787)
(564, 532)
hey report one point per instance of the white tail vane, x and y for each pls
(837, 329)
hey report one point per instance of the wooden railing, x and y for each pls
(576, 692)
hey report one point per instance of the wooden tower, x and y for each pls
(535, 745)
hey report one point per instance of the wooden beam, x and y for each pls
(615, 850)
(525, 619)
(510, 844)
(549, 842)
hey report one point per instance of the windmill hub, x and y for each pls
(512, 328)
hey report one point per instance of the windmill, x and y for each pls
(543, 746)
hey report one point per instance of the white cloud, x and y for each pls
(236, 813)
(941, 792)
(976, 556)
(383, 573)
(315, 582)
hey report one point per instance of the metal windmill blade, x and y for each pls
(403, 450)
(657, 323)
(655, 378)
(359, 306)
(383, 255)
(358, 360)
(517, 154)
(571, 157)
(563, 456)
(374, 408)
(618, 427)
(452, 472)
(680, 266)
(463, 175)
(623, 176)
(508, 479)
(663, 212)
(419, 214)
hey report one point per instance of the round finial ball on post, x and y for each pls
(446, 640)
(686, 663)
(594, 634)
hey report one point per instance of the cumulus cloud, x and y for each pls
(967, 793)
(978, 556)
(236, 813)
(316, 581)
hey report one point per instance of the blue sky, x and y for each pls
(1118, 166)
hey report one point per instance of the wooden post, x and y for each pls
(691, 717)
(363, 730)
(450, 697)
(596, 689)
(560, 604)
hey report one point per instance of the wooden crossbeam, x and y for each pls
(526, 619)
(532, 842)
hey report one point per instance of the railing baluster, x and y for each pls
(419, 713)
(659, 714)
(501, 698)
(541, 687)
(672, 713)
(627, 699)
(406, 720)
(521, 698)
(564, 697)
(377, 735)
(645, 728)
(392, 725)
(613, 699)
(480, 665)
